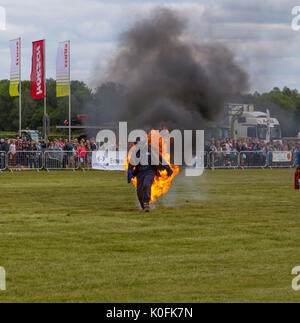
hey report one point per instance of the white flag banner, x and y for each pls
(15, 66)
(63, 69)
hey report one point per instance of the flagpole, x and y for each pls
(45, 98)
(20, 88)
(70, 101)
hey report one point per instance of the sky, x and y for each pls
(259, 33)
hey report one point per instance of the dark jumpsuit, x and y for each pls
(145, 176)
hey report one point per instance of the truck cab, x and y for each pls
(255, 125)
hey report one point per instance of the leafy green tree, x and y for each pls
(33, 110)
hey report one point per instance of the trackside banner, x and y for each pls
(38, 70)
(103, 160)
(15, 67)
(282, 156)
(63, 69)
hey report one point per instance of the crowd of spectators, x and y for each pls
(62, 153)
(22, 152)
(238, 145)
(23, 144)
(246, 152)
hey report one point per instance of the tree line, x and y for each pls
(98, 104)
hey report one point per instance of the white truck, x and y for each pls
(245, 122)
(255, 125)
(242, 121)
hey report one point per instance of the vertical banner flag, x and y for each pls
(15, 67)
(63, 69)
(268, 136)
(38, 70)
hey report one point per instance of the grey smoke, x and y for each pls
(186, 191)
(169, 78)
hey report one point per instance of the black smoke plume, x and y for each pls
(170, 79)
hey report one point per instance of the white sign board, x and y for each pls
(282, 156)
(2, 279)
(109, 160)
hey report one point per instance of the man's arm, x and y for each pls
(130, 175)
(131, 172)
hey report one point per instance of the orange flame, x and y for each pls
(162, 182)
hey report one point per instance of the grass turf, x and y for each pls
(79, 237)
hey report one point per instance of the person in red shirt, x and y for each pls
(82, 152)
(60, 143)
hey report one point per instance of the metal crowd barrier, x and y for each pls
(247, 159)
(65, 160)
(291, 164)
(25, 160)
(253, 159)
(206, 160)
(222, 159)
(56, 160)
(295, 158)
(86, 160)
(3, 160)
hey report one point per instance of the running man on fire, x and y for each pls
(146, 164)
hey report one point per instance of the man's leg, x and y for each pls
(147, 184)
(139, 189)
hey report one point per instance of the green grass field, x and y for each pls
(79, 237)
